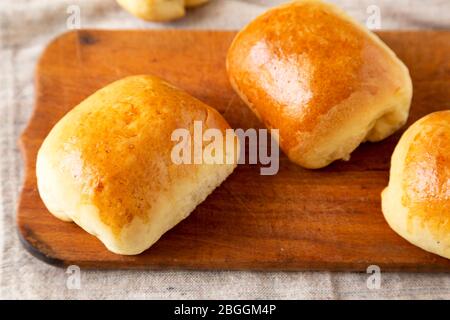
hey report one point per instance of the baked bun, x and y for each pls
(108, 166)
(416, 203)
(159, 10)
(327, 83)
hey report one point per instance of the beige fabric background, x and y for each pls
(26, 27)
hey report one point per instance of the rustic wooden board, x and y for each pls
(326, 219)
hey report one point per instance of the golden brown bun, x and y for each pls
(324, 81)
(159, 10)
(416, 203)
(107, 164)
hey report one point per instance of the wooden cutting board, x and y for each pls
(327, 219)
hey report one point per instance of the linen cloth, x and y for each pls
(25, 29)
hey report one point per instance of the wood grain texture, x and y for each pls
(327, 219)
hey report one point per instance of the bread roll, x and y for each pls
(327, 83)
(159, 10)
(107, 164)
(416, 203)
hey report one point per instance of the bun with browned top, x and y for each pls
(107, 164)
(327, 83)
(416, 203)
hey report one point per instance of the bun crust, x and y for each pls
(416, 203)
(159, 10)
(107, 164)
(325, 82)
